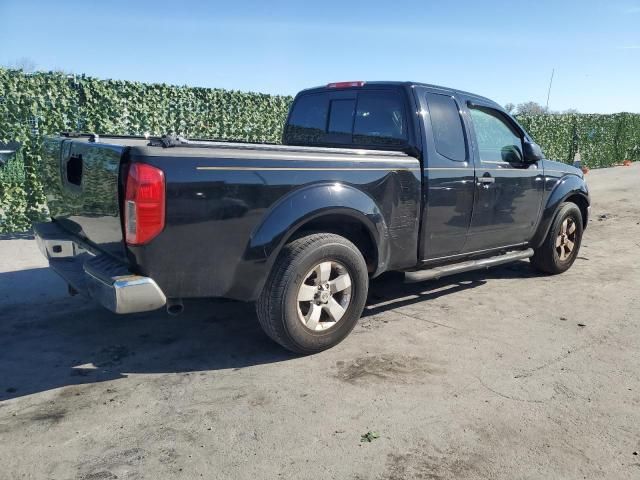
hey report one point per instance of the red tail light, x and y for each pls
(346, 84)
(144, 203)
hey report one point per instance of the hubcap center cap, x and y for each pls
(323, 294)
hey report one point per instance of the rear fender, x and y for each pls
(290, 214)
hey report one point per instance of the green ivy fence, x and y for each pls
(47, 103)
(602, 140)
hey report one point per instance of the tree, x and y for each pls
(25, 64)
(534, 108)
(531, 108)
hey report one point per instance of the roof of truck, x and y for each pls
(366, 84)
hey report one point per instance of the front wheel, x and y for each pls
(315, 293)
(560, 249)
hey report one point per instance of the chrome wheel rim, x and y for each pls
(566, 239)
(324, 296)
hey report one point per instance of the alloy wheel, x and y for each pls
(566, 239)
(324, 296)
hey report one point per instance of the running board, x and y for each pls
(443, 271)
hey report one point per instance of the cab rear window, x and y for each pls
(380, 119)
(341, 116)
(308, 120)
(370, 118)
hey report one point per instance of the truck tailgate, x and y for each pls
(82, 186)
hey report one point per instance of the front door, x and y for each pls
(508, 189)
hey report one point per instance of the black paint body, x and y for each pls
(231, 207)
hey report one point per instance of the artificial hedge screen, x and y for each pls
(33, 105)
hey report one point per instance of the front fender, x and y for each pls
(559, 191)
(293, 211)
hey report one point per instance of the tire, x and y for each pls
(284, 310)
(555, 255)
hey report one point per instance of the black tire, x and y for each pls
(547, 258)
(278, 306)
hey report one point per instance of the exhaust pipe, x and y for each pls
(175, 306)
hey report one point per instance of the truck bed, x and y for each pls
(220, 203)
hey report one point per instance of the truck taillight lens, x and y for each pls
(358, 83)
(144, 203)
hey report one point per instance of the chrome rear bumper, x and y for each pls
(100, 277)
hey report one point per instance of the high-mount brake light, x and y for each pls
(144, 203)
(359, 83)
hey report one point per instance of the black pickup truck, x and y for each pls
(371, 177)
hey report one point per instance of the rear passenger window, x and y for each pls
(446, 124)
(380, 119)
(308, 119)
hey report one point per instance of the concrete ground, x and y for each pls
(502, 374)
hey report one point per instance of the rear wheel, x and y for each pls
(560, 249)
(315, 293)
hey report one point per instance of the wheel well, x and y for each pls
(348, 227)
(583, 205)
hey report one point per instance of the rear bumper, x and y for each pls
(100, 277)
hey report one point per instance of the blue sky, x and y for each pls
(502, 49)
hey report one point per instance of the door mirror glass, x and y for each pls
(532, 152)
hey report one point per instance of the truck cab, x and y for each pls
(485, 184)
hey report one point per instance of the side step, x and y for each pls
(443, 271)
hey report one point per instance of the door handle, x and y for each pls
(486, 180)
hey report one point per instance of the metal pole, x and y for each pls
(549, 92)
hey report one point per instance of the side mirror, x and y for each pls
(532, 152)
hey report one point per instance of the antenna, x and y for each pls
(549, 91)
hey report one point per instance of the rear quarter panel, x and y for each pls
(220, 238)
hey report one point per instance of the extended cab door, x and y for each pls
(508, 190)
(448, 175)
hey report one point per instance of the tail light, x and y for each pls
(144, 203)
